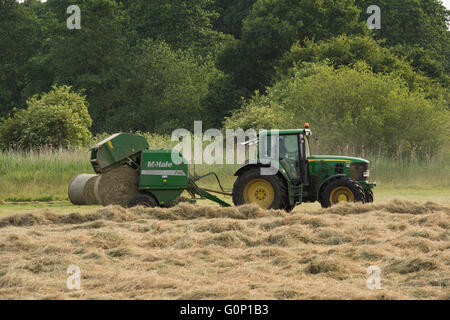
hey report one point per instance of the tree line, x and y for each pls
(158, 65)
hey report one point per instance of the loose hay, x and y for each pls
(117, 186)
(184, 211)
(394, 206)
(412, 265)
(205, 251)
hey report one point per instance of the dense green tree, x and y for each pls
(425, 61)
(415, 23)
(351, 107)
(40, 68)
(93, 58)
(231, 15)
(343, 51)
(183, 24)
(270, 29)
(165, 89)
(348, 50)
(222, 97)
(58, 118)
(19, 42)
(149, 65)
(274, 25)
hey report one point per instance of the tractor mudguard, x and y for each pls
(324, 182)
(247, 166)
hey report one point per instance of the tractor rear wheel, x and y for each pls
(269, 192)
(144, 200)
(342, 190)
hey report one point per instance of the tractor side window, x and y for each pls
(289, 147)
(289, 155)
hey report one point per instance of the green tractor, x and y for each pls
(130, 174)
(301, 177)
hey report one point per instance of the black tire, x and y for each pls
(289, 207)
(353, 186)
(369, 195)
(144, 200)
(278, 184)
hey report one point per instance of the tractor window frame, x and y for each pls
(307, 146)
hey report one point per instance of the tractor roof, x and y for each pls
(286, 131)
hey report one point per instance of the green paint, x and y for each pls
(117, 150)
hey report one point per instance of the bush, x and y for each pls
(58, 118)
(351, 108)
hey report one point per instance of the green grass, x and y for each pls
(412, 173)
(61, 207)
(44, 175)
(40, 175)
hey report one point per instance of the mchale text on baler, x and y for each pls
(129, 174)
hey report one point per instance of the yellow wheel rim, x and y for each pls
(341, 194)
(259, 191)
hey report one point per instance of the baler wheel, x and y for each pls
(144, 200)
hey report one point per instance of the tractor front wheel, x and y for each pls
(269, 192)
(369, 196)
(342, 190)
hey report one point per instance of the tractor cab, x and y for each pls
(299, 176)
(288, 150)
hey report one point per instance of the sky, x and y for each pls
(447, 4)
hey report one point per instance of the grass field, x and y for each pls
(203, 251)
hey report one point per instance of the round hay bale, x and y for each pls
(89, 192)
(117, 186)
(81, 189)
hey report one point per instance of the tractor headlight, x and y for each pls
(366, 174)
